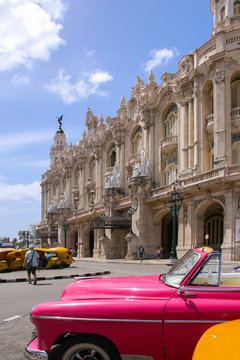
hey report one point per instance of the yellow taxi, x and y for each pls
(64, 255)
(10, 259)
(47, 259)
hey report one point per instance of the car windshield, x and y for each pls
(180, 270)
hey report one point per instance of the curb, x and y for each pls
(58, 277)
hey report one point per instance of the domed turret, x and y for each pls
(59, 143)
(224, 12)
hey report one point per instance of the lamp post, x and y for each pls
(25, 234)
(131, 211)
(65, 235)
(174, 204)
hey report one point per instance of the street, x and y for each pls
(18, 298)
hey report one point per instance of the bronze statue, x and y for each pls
(60, 124)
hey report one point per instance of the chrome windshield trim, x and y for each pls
(194, 321)
(95, 319)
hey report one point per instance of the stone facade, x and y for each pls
(110, 192)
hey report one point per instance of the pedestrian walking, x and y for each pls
(159, 253)
(141, 252)
(31, 262)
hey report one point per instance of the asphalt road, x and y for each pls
(18, 298)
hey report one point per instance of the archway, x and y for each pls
(167, 226)
(74, 241)
(210, 220)
(91, 242)
(213, 226)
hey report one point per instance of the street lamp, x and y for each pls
(25, 234)
(131, 211)
(174, 204)
(65, 235)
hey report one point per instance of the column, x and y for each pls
(229, 221)
(98, 178)
(219, 119)
(196, 127)
(184, 138)
(190, 135)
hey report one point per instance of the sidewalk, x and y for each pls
(50, 274)
(75, 271)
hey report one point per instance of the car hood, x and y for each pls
(149, 287)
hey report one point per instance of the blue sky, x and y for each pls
(63, 56)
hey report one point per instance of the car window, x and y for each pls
(181, 269)
(209, 275)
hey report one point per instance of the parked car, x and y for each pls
(10, 259)
(47, 258)
(138, 317)
(64, 255)
(219, 342)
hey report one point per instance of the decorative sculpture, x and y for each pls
(115, 180)
(144, 168)
(60, 130)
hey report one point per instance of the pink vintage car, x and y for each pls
(138, 317)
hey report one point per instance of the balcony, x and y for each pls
(235, 113)
(235, 118)
(169, 144)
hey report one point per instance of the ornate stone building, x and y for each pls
(110, 192)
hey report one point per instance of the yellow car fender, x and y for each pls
(219, 342)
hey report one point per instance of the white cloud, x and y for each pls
(89, 52)
(100, 77)
(29, 30)
(19, 80)
(159, 57)
(20, 191)
(12, 141)
(72, 90)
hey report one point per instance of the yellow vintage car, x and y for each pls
(219, 342)
(3, 266)
(10, 259)
(47, 258)
(64, 255)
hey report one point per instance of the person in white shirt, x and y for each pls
(31, 262)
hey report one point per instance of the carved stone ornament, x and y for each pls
(221, 198)
(144, 115)
(220, 78)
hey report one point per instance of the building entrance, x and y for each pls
(167, 226)
(213, 226)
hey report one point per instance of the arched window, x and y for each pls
(137, 140)
(92, 168)
(236, 149)
(76, 176)
(222, 14)
(235, 92)
(170, 124)
(170, 170)
(237, 7)
(112, 155)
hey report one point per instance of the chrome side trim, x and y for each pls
(194, 321)
(217, 289)
(96, 319)
(30, 354)
(136, 357)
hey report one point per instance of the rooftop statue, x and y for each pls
(60, 130)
